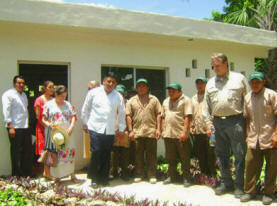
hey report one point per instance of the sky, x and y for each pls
(198, 9)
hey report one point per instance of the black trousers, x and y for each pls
(101, 147)
(21, 153)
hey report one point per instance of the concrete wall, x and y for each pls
(87, 49)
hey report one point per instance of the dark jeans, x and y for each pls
(230, 133)
(21, 153)
(100, 146)
(205, 153)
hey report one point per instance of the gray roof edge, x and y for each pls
(91, 16)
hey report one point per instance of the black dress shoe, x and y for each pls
(105, 183)
(94, 185)
(125, 178)
(222, 189)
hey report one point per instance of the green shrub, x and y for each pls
(12, 198)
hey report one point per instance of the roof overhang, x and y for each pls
(94, 17)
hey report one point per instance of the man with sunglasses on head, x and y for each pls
(224, 99)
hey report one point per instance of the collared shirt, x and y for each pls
(100, 111)
(261, 111)
(144, 117)
(224, 96)
(198, 122)
(174, 114)
(15, 108)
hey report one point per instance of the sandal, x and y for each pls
(49, 178)
(75, 180)
(57, 181)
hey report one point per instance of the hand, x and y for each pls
(53, 125)
(191, 130)
(11, 132)
(158, 134)
(132, 135)
(274, 140)
(209, 131)
(183, 137)
(120, 135)
(85, 128)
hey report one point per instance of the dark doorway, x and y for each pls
(35, 75)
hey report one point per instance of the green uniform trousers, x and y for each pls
(119, 159)
(205, 154)
(146, 147)
(173, 148)
(254, 163)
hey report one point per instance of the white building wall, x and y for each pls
(85, 50)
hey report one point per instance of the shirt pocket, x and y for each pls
(213, 95)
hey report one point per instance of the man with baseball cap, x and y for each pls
(176, 119)
(143, 120)
(260, 111)
(204, 152)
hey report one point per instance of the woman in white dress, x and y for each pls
(60, 112)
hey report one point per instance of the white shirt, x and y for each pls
(15, 108)
(100, 111)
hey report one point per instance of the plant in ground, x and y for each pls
(13, 198)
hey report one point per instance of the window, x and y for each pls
(194, 63)
(207, 73)
(187, 72)
(232, 66)
(129, 75)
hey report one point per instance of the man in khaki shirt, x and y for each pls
(176, 119)
(204, 152)
(143, 119)
(223, 110)
(260, 111)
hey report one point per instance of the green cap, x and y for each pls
(203, 79)
(121, 88)
(174, 85)
(142, 80)
(256, 75)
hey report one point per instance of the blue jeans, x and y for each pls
(101, 147)
(230, 133)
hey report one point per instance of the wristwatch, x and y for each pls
(130, 131)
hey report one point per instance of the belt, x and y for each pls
(227, 117)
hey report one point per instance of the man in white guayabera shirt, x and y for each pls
(15, 112)
(101, 108)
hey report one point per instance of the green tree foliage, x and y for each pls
(259, 14)
(254, 13)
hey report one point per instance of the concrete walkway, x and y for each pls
(172, 193)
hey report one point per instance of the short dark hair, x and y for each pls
(60, 89)
(111, 75)
(17, 77)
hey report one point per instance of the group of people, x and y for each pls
(55, 122)
(242, 121)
